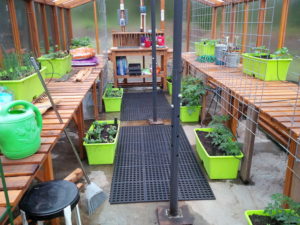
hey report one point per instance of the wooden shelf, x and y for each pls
(137, 76)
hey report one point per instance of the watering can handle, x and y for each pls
(27, 105)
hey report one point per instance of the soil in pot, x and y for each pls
(264, 57)
(211, 149)
(104, 133)
(263, 220)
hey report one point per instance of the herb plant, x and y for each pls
(276, 211)
(80, 42)
(192, 89)
(222, 137)
(260, 49)
(56, 55)
(16, 66)
(282, 53)
(113, 93)
(101, 133)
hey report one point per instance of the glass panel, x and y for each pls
(50, 25)
(41, 34)
(6, 37)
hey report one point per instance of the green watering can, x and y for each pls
(20, 129)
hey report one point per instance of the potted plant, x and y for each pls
(192, 89)
(205, 47)
(232, 56)
(18, 75)
(81, 49)
(101, 141)
(57, 63)
(169, 83)
(265, 66)
(112, 98)
(274, 213)
(216, 147)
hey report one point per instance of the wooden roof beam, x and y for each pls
(80, 3)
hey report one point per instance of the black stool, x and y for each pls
(49, 200)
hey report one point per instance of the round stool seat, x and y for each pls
(47, 200)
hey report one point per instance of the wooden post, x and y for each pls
(222, 30)
(95, 100)
(96, 28)
(1, 57)
(162, 15)
(235, 117)
(33, 27)
(290, 165)
(204, 100)
(251, 125)
(63, 28)
(214, 23)
(188, 24)
(55, 28)
(45, 27)
(14, 25)
(232, 22)
(261, 23)
(70, 25)
(283, 22)
(245, 26)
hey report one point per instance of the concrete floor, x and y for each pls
(232, 197)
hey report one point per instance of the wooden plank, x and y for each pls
(261, 23)
(55, 28)
(20, 170)
(283, 23)
(45, 27)
(82, 2)
(14, 25)
(289, 174)
(14, 197)
(34, 159)
(188, 24)
(251, 125)
(63, 28)
(245, 26)
(16, 183)
(33, 27)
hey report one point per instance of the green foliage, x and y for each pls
(260, 50)
(56, 55)
(276, 211)
(112, 93)
(192, 89)
(282, 53)
(16, 66)
(222, 137)
(169, 78)
(101, 133)
(80, 42)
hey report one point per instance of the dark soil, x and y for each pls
(105, 134)
(264, 57)
(211, 149)
(263, 220)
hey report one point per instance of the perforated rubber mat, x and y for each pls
(138, 106)
(142, 167)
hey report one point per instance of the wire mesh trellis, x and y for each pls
(245, 90)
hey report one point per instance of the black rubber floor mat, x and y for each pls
(142, 167)
(138, 106)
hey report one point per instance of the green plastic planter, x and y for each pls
(113, 104)
(249, 213)
(217, 167)
(56, 68)
(204, 49)
(170, 87)
(27, 88)
(102, 153)
(265, 69)
(190, 113)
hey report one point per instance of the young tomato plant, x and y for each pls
(101, 133)
(112, 93)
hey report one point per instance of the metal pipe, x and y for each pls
(154, 83)
(176, 98)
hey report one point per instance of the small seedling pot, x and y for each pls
(189, 114)
(204, 48)
(232, 59)
(56, 68)
(217, 167)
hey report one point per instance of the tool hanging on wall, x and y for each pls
(123, 16)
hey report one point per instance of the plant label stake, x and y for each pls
(175, 215)
(94, 195)
(154, 121)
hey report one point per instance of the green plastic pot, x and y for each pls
(102, 153)
(204, 49)
(56, 68)
(20, 129)
(27, 88)
(265, 69)
(249, 213)
(217, 167)
(190, 113)
(170, 87)
(112, 104)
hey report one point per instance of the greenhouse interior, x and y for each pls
(168, 112)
